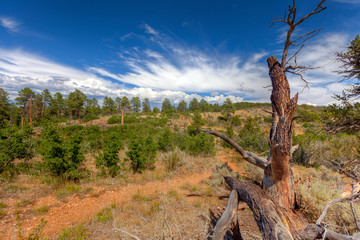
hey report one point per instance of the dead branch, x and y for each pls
(322, 216)
(290, 19)
(129, 234)
(352, 202)
(248, 156)
(227, 217)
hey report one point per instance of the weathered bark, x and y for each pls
(42, 109)
(314, 231)
(277, 175)
(30, 110)
(274, 221)
(227, 218)
(122, 116)
(270, 217)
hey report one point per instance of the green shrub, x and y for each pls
(15, 143)
(316, 147)
(142, 152)
(166, 140)
(108, 161)
(90, 117)
(201, 143)
(62, 157)
(105, 215)
(92, 139)
(77, 232)
(309, 116)
(251, 137)
(236, 121)
(128, 119)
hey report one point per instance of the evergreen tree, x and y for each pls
(194, 105)
(76, 102)
(156, 110)
(46, 100)
(58, 104)
(351, 65)
(123, 105)
(135, 104)
(109, 104)
(204, 106)
(146, 106)
(166, 106)
(228, 108)
(182, 106)
(23, 100)
(4, 107)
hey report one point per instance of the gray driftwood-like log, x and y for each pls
(269, 216)
(227, 218)
(273, 220)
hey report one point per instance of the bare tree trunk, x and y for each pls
(42, 110)
(30, 110)
(277, 180)
(122, 116)
(71, 114)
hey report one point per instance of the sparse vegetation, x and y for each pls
(73, 160)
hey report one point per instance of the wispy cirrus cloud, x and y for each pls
(178, 67)
(150, 30)
(10, 24)
(20, 69)
(166, 68)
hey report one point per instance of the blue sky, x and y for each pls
(174, 49)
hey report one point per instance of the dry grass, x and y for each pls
(162, 216)
(317, 188)
(218, 172)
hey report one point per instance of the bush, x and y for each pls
(108, 161)
(313, 195)
(62, 157)
(142, 152)
(218, 172)
(90, 117)
(315, 147)
(251, 137)
(15, 143)
(174, 159)
(201, 143)
(92, 139)
(236, 121)
(309, 116)
(166, 140)
(128, 119)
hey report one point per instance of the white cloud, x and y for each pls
(325, 82)
(177, 72)
(10, 24)
(20, 69)
(150, 30)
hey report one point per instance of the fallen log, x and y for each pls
(274, 221)
(227, 218)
